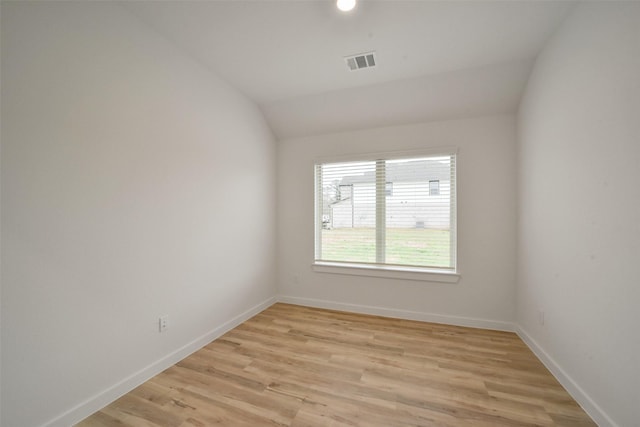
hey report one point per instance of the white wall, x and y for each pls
(486, 223)
(579, 208)
(123, 166)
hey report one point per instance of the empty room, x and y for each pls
(320, 213)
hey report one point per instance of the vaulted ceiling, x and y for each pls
(435, 59)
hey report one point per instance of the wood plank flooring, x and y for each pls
(299, 366)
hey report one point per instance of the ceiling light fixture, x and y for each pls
(346, 5)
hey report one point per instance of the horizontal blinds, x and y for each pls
(390, 211)
(348, 201)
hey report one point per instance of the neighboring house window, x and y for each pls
(388, 189)
(434, 188)
(344, 192)
(409, 229)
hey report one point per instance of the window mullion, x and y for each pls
(381, 211)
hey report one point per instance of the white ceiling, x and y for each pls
(436, 59)
(459, 94)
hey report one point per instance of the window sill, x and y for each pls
(404, 273)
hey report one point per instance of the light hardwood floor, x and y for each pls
(299, 366)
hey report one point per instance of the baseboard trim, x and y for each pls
(572, 387)
(400, 314)
(100, 400)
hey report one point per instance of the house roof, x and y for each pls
(419, 170)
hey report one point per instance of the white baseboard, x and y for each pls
(401, 314)
(100, 400)
(583, 399)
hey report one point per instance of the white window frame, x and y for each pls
(379, 270)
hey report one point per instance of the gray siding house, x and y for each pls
(417, 196)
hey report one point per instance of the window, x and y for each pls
(415, 229)
(344, 192)
(388, 189)
(434, 188)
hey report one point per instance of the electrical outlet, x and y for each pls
(163, 323)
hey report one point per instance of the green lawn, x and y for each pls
(408, 246)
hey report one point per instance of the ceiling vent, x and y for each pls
(360, 61)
